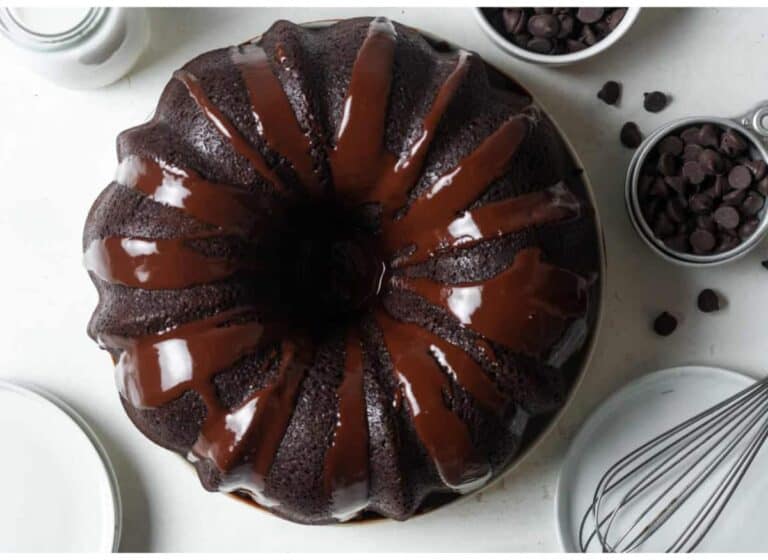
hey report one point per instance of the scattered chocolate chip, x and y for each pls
(665, 324)
(727, 217)
(610, 92)
(765, 264)
(654, 101)
(630, 135)
(708, 301)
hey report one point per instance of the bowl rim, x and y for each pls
(588, 350)
(632, 202)
(558, 59)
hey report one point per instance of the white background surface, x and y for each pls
(57, 153)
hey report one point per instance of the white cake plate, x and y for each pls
(58, 492)
(635, 414)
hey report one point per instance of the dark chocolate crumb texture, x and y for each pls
(344, 271)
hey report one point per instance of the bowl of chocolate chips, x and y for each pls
(555, 36)
(696, 188)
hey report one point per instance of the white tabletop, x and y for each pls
(57, 151)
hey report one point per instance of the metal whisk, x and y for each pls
(642, 491)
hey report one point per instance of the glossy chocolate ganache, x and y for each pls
(345, 271)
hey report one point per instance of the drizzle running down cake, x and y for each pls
(345, 271)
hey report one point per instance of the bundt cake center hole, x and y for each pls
(330, 265)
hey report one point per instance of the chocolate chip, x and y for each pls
(630, 135)
(567, 24)
(514, 20)
(719, 186)
(692, 152)
(675, 210)
(589, 15)
(540, 45)
(752, 204)
(734, 197)
(762, 186)
(610, 92)
(765, 264)
(663, 226)
(705, 221)
(726, 242)
(691, 135)
(678, 243)
(545, 26)
(708, 301)
(732, 143)
(667, 164)
(702, 241)
(588, 35)
(712, 162)
(748, 228)
(671, 145)
(677, 183)
(757, 167)
(740, 177)
(727, 217)
(654, 101)
(659, 188)
(566, 29)
(700, 203)
(665, 324)
(615, 17)
(709, 136)
(694, 172)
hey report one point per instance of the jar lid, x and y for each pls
(21, 33)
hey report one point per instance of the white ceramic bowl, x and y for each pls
(558, 59)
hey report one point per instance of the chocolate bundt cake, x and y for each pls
(345, 271)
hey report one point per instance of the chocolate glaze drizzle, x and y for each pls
(526, 307)
(346, 464)
(275, 120)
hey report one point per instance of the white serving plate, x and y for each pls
(57, 488)
(639, 411)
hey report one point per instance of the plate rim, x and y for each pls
(47, 398)
(617, 395)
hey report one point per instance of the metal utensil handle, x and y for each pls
(756, 120)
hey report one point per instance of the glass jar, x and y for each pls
(77, 48)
